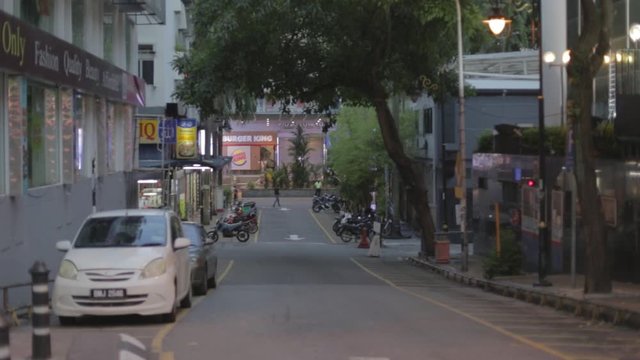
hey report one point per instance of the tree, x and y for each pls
(324, 53)
(586, 60)
(356, 149)
(299, 151)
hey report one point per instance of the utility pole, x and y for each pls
(462, 181)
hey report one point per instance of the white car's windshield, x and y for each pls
(122, 231)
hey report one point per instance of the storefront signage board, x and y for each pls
(186, 139)
(29, 50)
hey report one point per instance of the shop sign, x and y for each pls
(186, 139)
(250, 138)
(29, 50)
(167, 131)
(148, 131)
(241, 157)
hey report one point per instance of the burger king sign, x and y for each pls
(241, 157)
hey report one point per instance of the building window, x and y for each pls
(427, 121)
(108, 38)
(77, 23)
(146, 54)
(38, 13)
(43, 139)
(110, 138)
(128, 30)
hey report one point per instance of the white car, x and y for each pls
(123, 262)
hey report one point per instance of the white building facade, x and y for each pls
(68, 97)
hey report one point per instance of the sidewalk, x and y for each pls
(620, 307)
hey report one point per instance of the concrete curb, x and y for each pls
(585, 308)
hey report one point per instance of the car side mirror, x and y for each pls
(181, 243)
(63, 245)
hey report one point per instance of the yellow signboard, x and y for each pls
(148, 131)
(187, 139)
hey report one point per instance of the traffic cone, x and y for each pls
(364, 240)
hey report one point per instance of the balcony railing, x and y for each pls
(145, 12)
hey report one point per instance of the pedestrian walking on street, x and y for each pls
(318, 186)
(276, 193)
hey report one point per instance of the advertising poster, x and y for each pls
(186, 139)
(557, 216)
(241, 157)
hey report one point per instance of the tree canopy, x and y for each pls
(316, 51)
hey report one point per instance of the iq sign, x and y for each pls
(148, 131)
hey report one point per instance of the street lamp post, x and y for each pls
(542, 193)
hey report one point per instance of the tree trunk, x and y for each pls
(597, 269)
(586, 60)
(412, 176)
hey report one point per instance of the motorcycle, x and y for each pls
(239, 230)
(326, 202)
(250, 218)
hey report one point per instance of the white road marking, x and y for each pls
(133, 341)
(285, 209)
(294, 237)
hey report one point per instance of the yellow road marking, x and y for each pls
(166, 356)
(255, 239)
(321, 227)
(499, 329)
(156, 344)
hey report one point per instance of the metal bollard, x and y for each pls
(5, 353)
(41, 338)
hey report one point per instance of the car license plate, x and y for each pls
(107, 293)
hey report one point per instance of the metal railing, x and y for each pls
(15, 313)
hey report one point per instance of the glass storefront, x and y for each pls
(110, 161)
(43, 139)
(150, 194)
(66, 120)
(3, 174)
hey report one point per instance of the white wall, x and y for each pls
(163, 38)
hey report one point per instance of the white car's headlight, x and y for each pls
(68, 270)
(155, 268)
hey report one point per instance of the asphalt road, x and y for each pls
(295, 292)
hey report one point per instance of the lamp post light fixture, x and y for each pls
(542, 193)
(496, 21)
(634, 33)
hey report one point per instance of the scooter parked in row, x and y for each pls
(240, 230)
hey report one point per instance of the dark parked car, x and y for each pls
(204, 258)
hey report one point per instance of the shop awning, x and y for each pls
(216, 163)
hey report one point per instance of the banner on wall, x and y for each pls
(186, 139)
(241, 157)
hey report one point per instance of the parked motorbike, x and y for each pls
(326, 202)
(350, 227)
(239, 230)
(239, 216)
